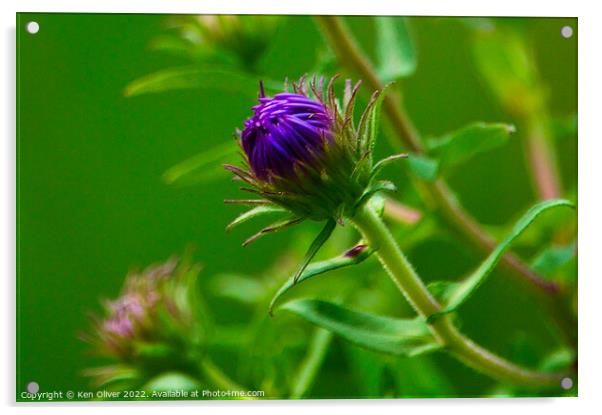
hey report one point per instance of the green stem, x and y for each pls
(311, 364)
(215, 375)
(409, 283)
(351, 57)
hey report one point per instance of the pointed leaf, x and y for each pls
(203, 167)
(315, 247)
(402, 337)
(353, 256)
(456, 295)
(396, 55)
(192, 77)
(253, 213)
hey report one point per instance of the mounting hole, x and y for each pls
(566, 32)
(566, 383)
(32, 27)
(33, 387)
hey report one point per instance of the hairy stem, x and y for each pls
(354, 60)
(412, 287)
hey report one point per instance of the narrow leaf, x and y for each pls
(253, 213)
(315, 247)
(402, 337)
(203, 167)
(353, 256)
(192, 77)
(396, 55)
(463, 290)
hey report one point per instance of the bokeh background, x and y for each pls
(92, 203)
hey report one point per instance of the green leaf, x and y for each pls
(355, 255)
(402, 337)
(461, 145)
(315, 247)
(202, 168)
(171, 381)
(423, 167)
(551, 259)
(253, 213)
(456, 294)
(192, 77)
(395, 52)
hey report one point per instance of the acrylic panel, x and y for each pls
(403, 188)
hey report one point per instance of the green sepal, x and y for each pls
(315, 247)
(382, 163)
(253, 213)
(455, 294)
(380, 186)
(274, 227)
(348, 258)
(401, 337)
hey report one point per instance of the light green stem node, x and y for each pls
(409, 283)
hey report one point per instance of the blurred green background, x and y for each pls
(92, 204)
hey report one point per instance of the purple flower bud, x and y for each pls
(285, 131)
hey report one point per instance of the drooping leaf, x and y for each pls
(402, 337)
(423, 167)
(459, 146)
(353, 256)
(396, 54)
(253, 213)
(455, 294)
(203, 167)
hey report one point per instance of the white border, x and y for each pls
(590, 206)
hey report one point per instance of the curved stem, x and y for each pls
(354, 60)
(412, 287)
